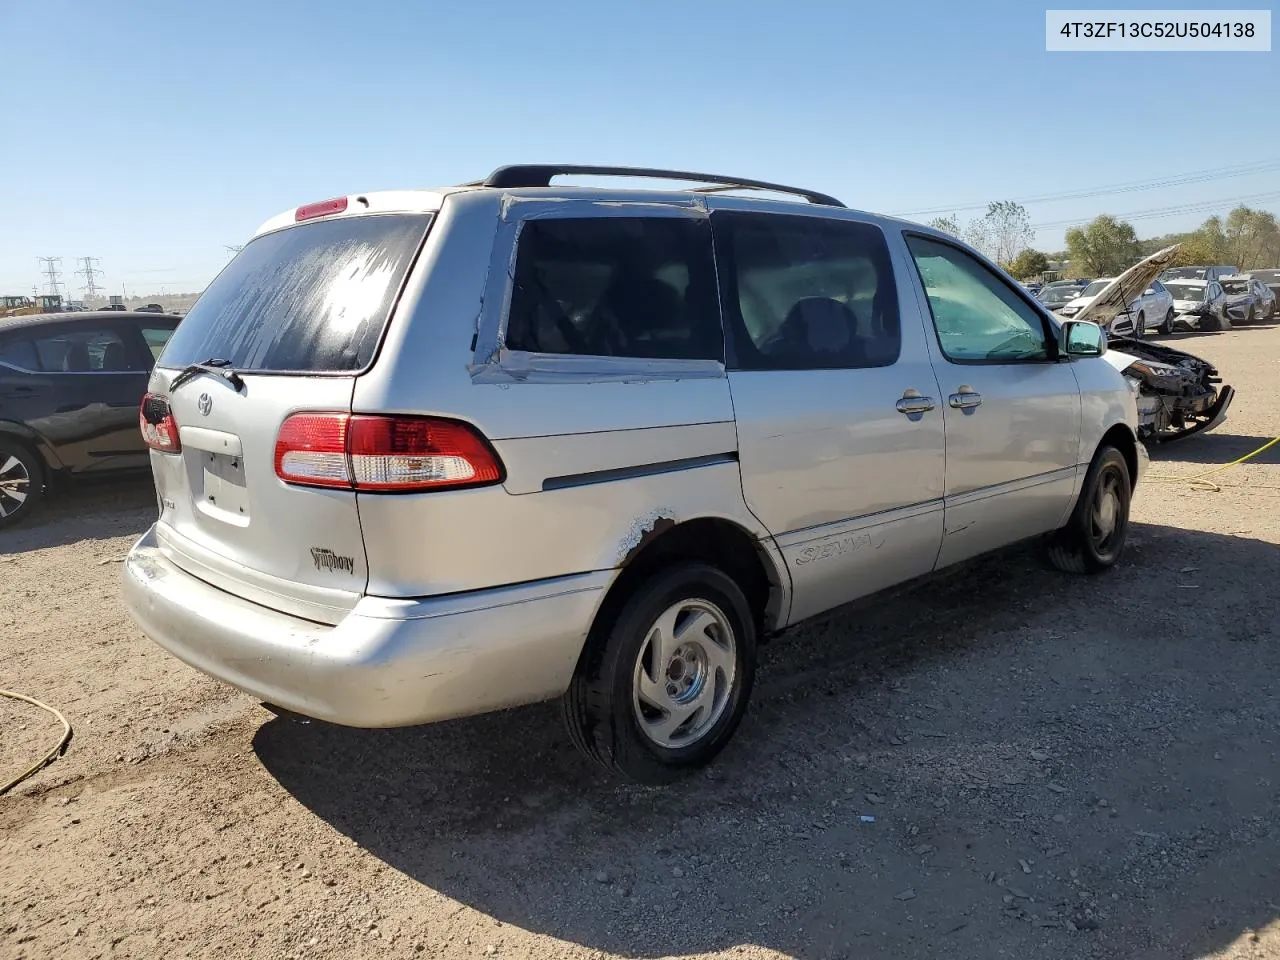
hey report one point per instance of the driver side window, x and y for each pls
(977, 317)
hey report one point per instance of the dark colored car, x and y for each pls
(70, 388)
(1054, 298)
(149, 308)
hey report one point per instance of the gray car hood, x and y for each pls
(1116, 296)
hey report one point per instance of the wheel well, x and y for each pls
(720, 543)
(18, 440)
(1123, 440)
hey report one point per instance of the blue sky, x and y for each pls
(190, 124)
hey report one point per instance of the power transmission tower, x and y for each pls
(52, 272)
(90, 273)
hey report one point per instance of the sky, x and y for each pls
(152, 134)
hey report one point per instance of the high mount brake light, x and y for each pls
(159, 429)
(383, 454)
(321, 209)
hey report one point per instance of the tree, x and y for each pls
(1028, 263)
(946, 224)
(1002, 232)
(1251, 237)
(1105, 247)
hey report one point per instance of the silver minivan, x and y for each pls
(425, 454)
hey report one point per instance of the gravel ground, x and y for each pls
(1056, 767)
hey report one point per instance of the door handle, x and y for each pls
(913, 402)
(965, 398)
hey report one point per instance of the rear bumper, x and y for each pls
(389, 662)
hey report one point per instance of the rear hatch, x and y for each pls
(291, 321)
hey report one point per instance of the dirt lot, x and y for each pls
(1057, 767)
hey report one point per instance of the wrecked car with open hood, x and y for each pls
(1178, 394)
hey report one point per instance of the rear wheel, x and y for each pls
(21, 482)
(1167, 327)
(1093, 539)
(662, 686)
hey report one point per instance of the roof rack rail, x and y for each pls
(540, 174)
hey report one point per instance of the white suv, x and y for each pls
(424, 454)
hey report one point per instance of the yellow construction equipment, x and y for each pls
(26, 306)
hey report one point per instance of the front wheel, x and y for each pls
(1250, 317)
(1093, 538)
(662, 685)
(1167, 327)
(1140, 326)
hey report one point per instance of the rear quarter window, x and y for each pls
(312, 298)
(19, 353)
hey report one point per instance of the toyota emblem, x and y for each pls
(205, 404)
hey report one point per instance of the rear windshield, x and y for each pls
(309, 298)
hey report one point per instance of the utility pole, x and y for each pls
(90, 274)
(53, 273)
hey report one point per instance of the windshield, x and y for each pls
(1185, 291)
(309, 298)
(1095, 288)
(1235, 286)
(1184, 273)
(1059, 294)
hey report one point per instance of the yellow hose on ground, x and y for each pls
(1200, 477)
(48, 757)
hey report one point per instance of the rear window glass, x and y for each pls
(308, 298)
(616, 287)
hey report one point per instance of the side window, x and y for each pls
(806, 293)
(20, 353)
(84, 351)
(616, 287)
(156, 338)
(976, 315)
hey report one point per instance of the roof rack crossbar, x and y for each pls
(541, 174)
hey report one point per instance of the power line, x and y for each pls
(1197, 176)
(90, 273)
(1156, 212)
(52, 268)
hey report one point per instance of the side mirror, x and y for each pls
(1080, 338)
(1149, 292)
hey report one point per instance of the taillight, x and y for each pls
(159, 430)
(385, 454)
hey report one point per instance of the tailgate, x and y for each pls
(226, 517)
(286, 327)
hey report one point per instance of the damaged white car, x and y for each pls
(1178, 394)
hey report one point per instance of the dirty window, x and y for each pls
(616, 287)
(978, 317)
(806, 293)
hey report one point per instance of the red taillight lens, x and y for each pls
(321, 209)
(311, 448)
(386, 454)
(159, 430)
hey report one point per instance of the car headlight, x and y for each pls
(1149, 368)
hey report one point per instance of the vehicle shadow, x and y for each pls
(1212, 448)
(1147, 822)
(98, 509)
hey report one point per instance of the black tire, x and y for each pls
(1167, 327)
(1211, 323)
(1084, 545)
(600, 707)
(1251, 316)
(22, 482)
(1140, 326)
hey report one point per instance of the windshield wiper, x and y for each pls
(214, 365)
